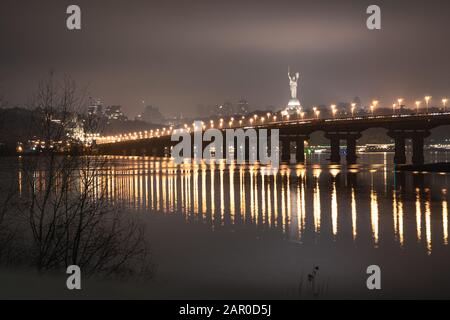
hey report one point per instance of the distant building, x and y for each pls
(75, 129)
(114, 113)
(96, 108)
(151, 115)
(242, 107)
(223, 110)
(176, 121)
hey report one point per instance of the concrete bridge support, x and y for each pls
(400, 150)
(300, 148)
(286, 144)
(351, 150)
(417, 137)
(335, 149)
(417, 144)
(335, 138)
(285, 149)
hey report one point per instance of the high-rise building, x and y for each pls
(96, 108)
(114, 113)
(152, 115)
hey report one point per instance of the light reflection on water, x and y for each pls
(365, 205)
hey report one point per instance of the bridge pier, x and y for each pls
(400, 151)
(417, 137)
(335, 138)
(351, 150)
(417, 144)
(335, 149)
(286, 141)
(300, 148)
(285, 149)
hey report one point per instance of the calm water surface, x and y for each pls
(224, 231)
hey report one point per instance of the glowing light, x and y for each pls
(374, 216)
(427, 101)
(417, 106)
(317, 114)
(333, 110)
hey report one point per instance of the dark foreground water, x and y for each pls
(227, 231)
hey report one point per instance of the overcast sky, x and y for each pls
(178, 54)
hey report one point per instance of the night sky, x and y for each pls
(178, 54)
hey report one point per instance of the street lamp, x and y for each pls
(353, 109)
(427, 100)
(444, 103)
(375, 103)
(372, 108)
(333, 110)
(317, 114)
(417, 106)
(394, 105)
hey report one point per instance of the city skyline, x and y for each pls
(176, 58)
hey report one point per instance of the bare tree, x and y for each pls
(70, 218)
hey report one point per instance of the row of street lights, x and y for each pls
(419, 102)
(253, 120)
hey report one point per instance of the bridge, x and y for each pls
(296, 131)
